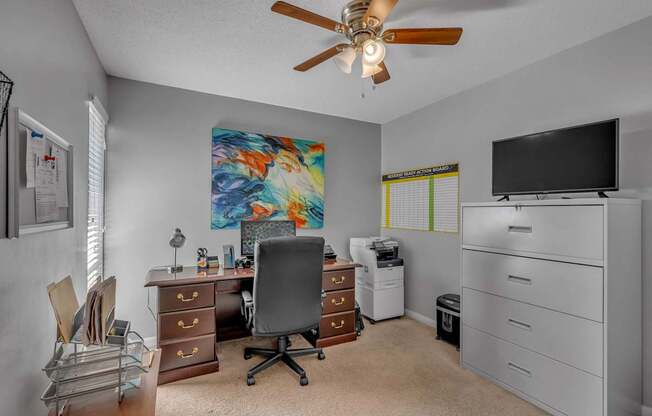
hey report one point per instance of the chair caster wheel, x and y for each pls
(303, 381)
(321, 355)
(247, 356)
(250, 381)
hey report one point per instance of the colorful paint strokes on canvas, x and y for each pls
(261, 177)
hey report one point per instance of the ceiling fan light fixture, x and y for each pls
(370, 70)
(373, 52)
(344, 60)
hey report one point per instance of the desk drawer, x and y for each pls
(228, 286)
(189, 352)
(179, 298)
(562, 387)
(574, 341)
(337, 324)
(566, 231)
(338, 280)
(339, 301)
(565, 287)
(186, 324)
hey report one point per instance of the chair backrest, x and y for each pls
(287, 285)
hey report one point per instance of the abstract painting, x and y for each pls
(262, 177)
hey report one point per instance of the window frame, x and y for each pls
(97, 117)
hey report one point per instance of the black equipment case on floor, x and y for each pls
(448, 318)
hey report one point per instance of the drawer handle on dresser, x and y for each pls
(518, 279)
(519, 369)
(338, 282)
(180, 353)
(195, 295)
(184, 326)
(336, 303)
(519, 229)
(519, 324)
(335, 326)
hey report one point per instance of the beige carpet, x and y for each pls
(395, 368)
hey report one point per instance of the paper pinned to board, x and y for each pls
(46, 191)
(61, 175)
(35, 150)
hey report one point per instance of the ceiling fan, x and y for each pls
(362, 24)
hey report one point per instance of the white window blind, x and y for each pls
(96, 148)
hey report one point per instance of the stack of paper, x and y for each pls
(99, 311)
(65, 305)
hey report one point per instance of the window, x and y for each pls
(96, 147)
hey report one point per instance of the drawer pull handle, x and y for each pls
(519, 229)
(518, 279)
(335, 326)
(195, 295)
(519, 324)
(519, 369)
(180, 353)
(184, 326)
(336, 303)
(338, 282)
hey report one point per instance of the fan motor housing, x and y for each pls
(359, 30)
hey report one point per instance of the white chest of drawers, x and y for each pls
(551, 302)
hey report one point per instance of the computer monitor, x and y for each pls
(253, 231)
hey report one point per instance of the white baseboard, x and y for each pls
(420, 318)
(150, 342)
(646, 411)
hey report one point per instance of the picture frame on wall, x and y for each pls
(40, 177)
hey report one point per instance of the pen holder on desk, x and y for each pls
(202, 258)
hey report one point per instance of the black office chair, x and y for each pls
(287, 299)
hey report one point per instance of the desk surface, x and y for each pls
(190, 275)
(137, 402)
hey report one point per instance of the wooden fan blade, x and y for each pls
(379, 10)
(318, 59)
(433, 36)
(307, 16)
(382, 76)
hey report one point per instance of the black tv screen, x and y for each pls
(574, 159)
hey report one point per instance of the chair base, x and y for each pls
(280, 354)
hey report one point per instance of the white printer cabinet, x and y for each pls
(551, 302)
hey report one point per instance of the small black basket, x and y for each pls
(6, 87)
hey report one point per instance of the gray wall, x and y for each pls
(158, 177)
(45, 50)
(604, 78)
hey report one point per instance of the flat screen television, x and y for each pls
(574, 159)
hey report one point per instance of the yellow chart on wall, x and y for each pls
(422, 199)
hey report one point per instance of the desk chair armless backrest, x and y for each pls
(287, 285)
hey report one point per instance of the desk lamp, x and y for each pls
(176, 241)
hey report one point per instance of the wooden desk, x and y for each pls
(137, 402)
(198, 308)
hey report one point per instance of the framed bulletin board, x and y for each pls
(40, 177)
(422, 199)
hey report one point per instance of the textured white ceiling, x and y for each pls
(239, 48)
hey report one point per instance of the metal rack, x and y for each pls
(116, 365)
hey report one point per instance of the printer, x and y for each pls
(379, 282)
